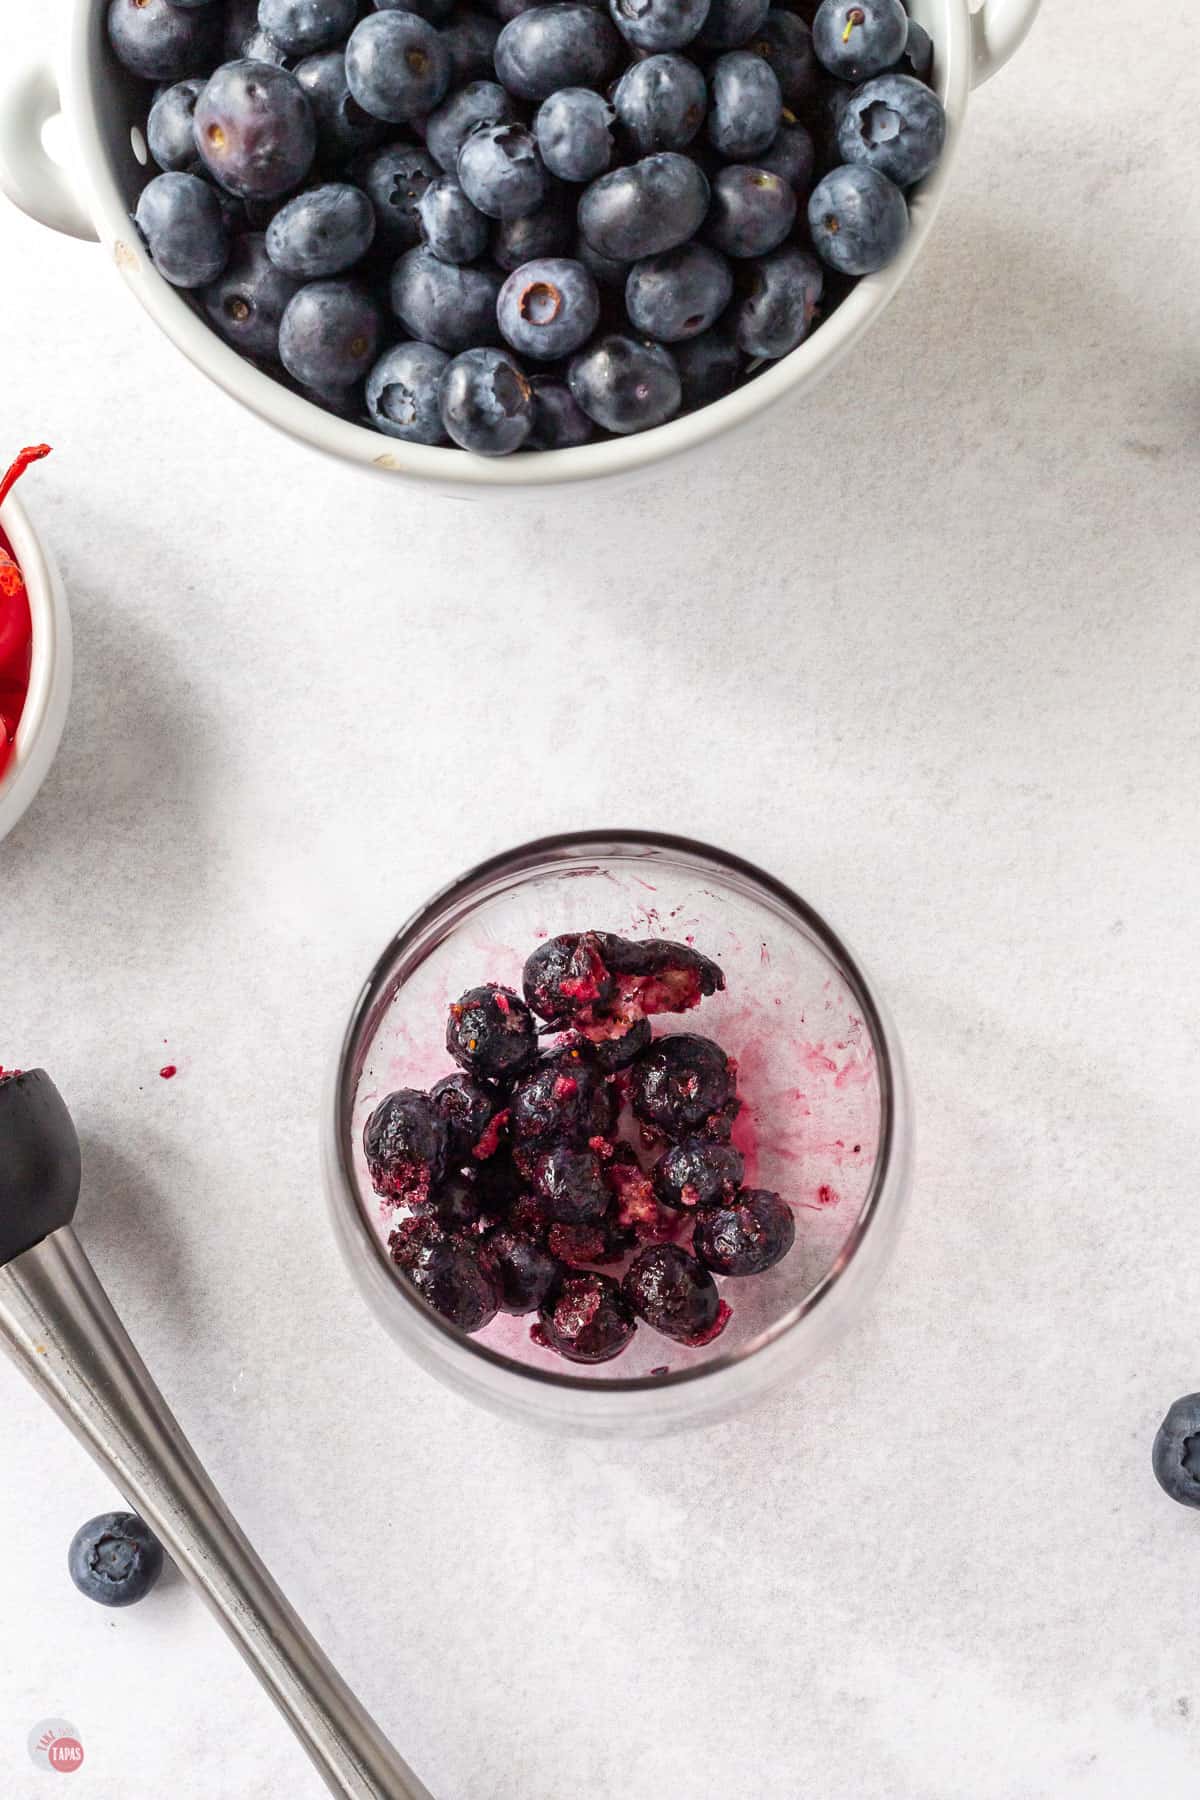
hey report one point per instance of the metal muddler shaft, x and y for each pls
(59, 1326)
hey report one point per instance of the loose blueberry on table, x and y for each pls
(343, 190)
(519, 1176)
(115, 1559)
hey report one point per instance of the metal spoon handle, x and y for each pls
(57, 1323)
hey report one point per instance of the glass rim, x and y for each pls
(373, 998)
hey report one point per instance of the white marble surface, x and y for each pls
(928, 649)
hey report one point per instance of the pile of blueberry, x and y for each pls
(516, 1186)
(526, 225)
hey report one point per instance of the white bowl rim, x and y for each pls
(448, 469)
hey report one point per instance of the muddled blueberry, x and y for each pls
(255, 130)
(573, 132)
(170, 129)
(661, 102)
(161, 42)
(397, 66)
(780, 305)
(447, 1273)
(658, 24)
(321, 232)
(570, 1184)
(329, 334)
(522, 1269)
(404, 1141)
(675, 1294)
(1177, 1451)
(566, 1098)
(678, 294)
(752, 210)
(490, 1032)
(447, 304)
(745, 106)
(457, 1203)
(454, 229)
(548, 308)
(467, 1107)
(180, 218)
(501, 172)
(115, 1559)
(487, 403)
(586, 1318)
(647, 207)
(682, 1084)
(895, 125)
(247, 300)
(855, 39)
(858, 219)
(552, 47)
(698, 1172)
(619, 1051)
(746, 1236)
(635, 1212)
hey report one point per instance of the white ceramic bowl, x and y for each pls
(105, 110)
(45, 714)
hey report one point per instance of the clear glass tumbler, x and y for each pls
(825, 1118)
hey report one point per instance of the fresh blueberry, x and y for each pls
(487, 404)
(895, 125)
(240, 22)
(547, 231)
(682, 1085)
(402, 399)
(393, 180)
(679, 294)
(573, 135)
(646, 207)
(747, 1236)
(552, 47)
(559, 423)
(825, 122)
(404, 1142)
(919, 49)
(548, 308)
(302, 26)
(260, 46)
(661, 102)
(451, 124)
(444, 304)
(255, 130)
(792, 155)
(777, 312)
(170, 132)
(437, 12)
(855, 39)
(709, 366)
(467, 1106)
(329, 334)
(1177, 1451)
(185, 230)
(115, 1559)
(570, 1184)
(698, 1172)
(732, 23)
(786, 43)
(397, 66)
(607, 271)
(752, 210)
(343, 128)
(490, 1032)
(658, 24)
(565, 1098)
(453, 229)
(745, 106)
(586, 1318)
(457, 1203)
(470, 40)
(161, 42)
(676, 1295)
(522, 1269)
(501, 171)
(247, 300)
(448, 1275)
(321, 232)
(858, 219)
(625, 386)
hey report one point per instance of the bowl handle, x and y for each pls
(999, 28)
(31, 178)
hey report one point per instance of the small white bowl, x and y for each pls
(40, 730)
